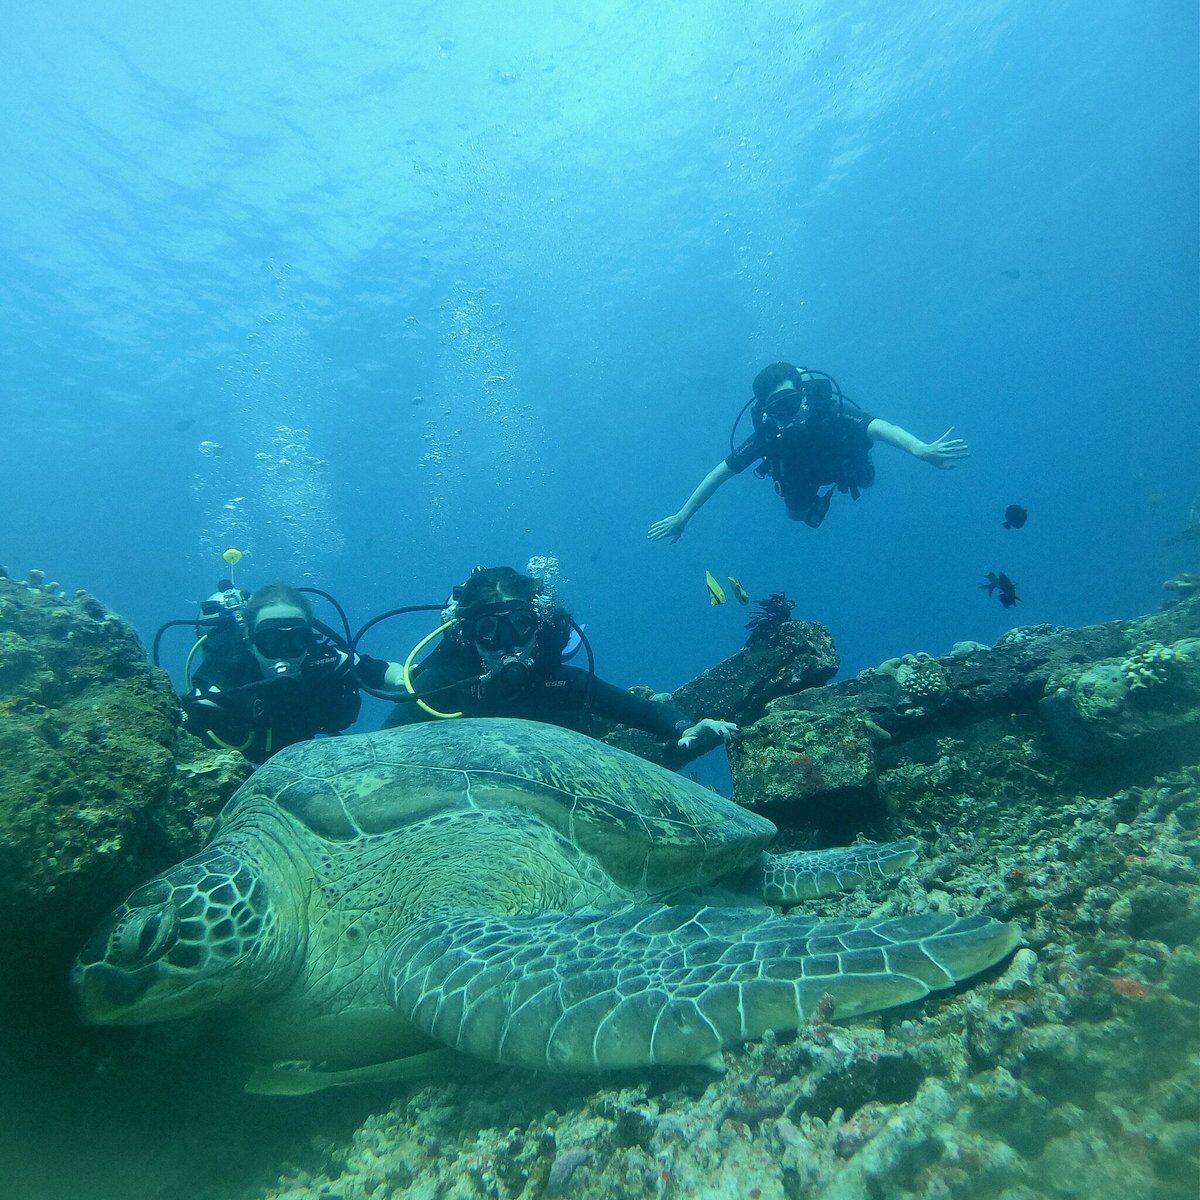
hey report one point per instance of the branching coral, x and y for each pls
(1151, 665)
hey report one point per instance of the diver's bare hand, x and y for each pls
(671, 527)
(946, 452)
(710, 731)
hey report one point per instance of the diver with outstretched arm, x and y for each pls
(502, 655)
(808, 436)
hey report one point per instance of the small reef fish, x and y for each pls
(739, 593)
(185, 424)
(1015, 517)
(716, 593)
(1002, 584)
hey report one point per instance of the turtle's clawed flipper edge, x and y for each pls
(294, 1079)
(637, 985)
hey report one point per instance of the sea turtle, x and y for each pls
(515, 891)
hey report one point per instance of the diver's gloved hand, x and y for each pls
(708, 731)
(945, 452)
(669, 527)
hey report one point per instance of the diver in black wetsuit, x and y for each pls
(281, 681)
(503, 657)
(808, 436)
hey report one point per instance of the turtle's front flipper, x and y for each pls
(810, 874)
(297, 1079)
(630, 986)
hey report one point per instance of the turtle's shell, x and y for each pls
(639, 821)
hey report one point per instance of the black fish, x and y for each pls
(185, 424)
(1011, 273)
(1015, 517)
(1002, 584)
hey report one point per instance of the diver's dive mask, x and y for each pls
(504, 626)
(281, 644)
(809, 398)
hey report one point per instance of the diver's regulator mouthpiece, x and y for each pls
(508, 675)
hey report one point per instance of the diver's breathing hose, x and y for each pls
(159, 636)
(187, 664)
(586, 711)
(341, 612)
(408, 662)
(352, 650)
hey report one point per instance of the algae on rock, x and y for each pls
(98, 785)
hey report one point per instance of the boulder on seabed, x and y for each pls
(99, 786)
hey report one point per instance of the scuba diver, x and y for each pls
(807, 436)
(271, 674)
(504, 653)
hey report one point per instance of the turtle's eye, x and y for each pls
(143, 935)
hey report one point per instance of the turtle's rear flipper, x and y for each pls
(635, 985)
(809, 874)
(294, 1079)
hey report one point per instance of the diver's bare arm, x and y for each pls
(673, 526)
(945, 452)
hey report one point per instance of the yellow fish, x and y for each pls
(740, 594)
(716, 593)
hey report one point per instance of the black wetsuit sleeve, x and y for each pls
(855, 415)
(657, 717)
(371, 671)
(335, 701)
(219, 719)
(747, 454)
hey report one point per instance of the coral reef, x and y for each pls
(98, 786)
(1123, 696)
(1066, 1073)
(779, 657)
(1147, 701)
(920, 677)
(793, 758)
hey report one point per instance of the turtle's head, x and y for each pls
(202, 935)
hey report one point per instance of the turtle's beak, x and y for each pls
(117, 978)
(106, 996)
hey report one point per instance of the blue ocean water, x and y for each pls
(379, 292)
